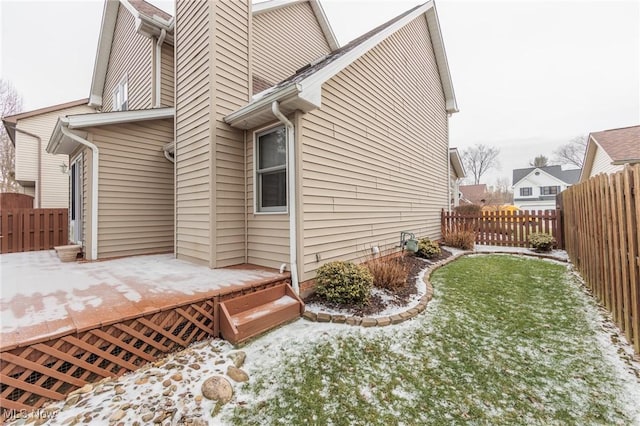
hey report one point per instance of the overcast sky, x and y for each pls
(528, 75)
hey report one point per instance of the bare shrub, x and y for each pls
(461, 236)
(388, 273)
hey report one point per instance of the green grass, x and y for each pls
(506, 340)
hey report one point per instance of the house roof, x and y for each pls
(59, 143)
(150, 21)
(456, 162)
(567, 176)
(318, 11)
(622, 145)
(11, 121)
(303, 89)
(473, 193)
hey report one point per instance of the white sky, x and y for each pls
(528, 75)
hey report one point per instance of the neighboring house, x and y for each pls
(536, 188)
(42, 175)
(608, 151)
(456, 174)
(473, 194)
(288, 150)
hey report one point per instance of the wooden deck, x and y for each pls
(41, 364)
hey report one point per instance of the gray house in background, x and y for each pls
(535, 188)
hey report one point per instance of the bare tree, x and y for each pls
(539, 161)
(572, 153)
(10, 104)
(500, 193)
(479, 159)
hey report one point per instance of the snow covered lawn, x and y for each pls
(506, 340)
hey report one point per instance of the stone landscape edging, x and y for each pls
(383, 321)
(412, 311)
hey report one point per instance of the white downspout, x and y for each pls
(291, 173)
(64, 128)
(163, 35)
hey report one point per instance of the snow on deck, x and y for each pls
(40, 295)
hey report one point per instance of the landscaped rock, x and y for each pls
(339, 319)
(323, 317)
(238, 358)
(166, 383)
(217, 388)
(353, 321)
(117, 416)
(147, 417)
(237, 374)
(72, 400)
(369, 322)
(119, 389)
(311, 316)
(384, 321)
(195, 366)
(396, 319)
(177, 377)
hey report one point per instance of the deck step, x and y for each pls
(250, 315)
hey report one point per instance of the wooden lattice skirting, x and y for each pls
(48, 370)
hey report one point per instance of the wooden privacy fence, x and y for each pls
(506, 228)
(33, 229)
(601, 219)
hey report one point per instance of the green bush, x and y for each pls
(428, 249)
(344, 282)
(542, 242)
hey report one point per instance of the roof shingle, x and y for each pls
(620, 144)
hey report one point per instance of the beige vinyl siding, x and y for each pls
(167, 79)
(231, 92)
(375, 155)
(602, 163)
(26, 157)
(267, 233)
(55, 184)
(135, 198)
(131, 56)
(285, 40)
(193, 149)
(212, 81)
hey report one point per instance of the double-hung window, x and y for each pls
(526, 191)
(121, 96)
(271, 170)
(549, 190)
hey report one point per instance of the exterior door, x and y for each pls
(75, 211)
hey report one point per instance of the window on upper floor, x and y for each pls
(121, 96)
(271, 170)
(525, 192)
(549, 190)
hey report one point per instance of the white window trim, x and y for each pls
(256, 196)
(123, 85)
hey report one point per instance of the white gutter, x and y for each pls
(168, 149)
(163, 35)
(64, 121)
(291, 172)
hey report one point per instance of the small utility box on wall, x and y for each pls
(408, 241)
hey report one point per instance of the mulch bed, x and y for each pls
(400, 296)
